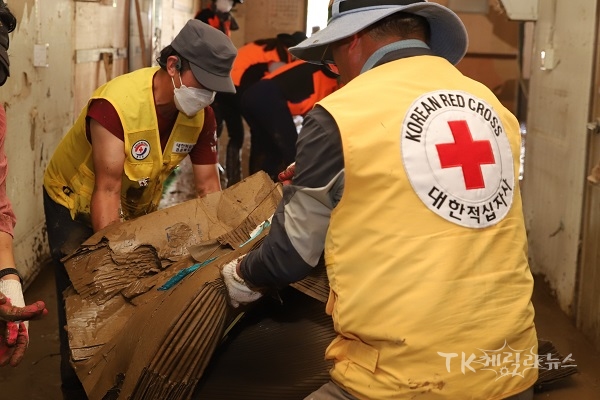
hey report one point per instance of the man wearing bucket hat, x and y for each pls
(406, 181)
(129, 137)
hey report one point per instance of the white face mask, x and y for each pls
(224, 5)
(190, 100)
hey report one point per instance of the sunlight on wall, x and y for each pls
(316, 15)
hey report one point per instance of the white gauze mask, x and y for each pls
(191, 100)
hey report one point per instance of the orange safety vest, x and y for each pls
(309, 75)
(223, 26)
(252, 54)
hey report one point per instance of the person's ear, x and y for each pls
(354, 40)
(173, 65)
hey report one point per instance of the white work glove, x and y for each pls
(239, 292)
(14, 291)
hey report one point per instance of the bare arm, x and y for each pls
(206, 178)
(7, 259)
(109, 161)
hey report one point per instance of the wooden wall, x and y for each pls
(556, 147)
(493, 54)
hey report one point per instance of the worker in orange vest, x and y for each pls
(218, 15)
(254, 60)
(269, 107)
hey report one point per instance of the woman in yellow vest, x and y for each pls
(407, 181)
(133, 132)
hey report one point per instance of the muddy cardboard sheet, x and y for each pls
(128, 338)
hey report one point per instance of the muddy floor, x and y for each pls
(37, 378)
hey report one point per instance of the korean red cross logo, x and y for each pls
(140, 149)
(466, 153)
(458, 158)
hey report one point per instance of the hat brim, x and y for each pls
(448, 34)
(212, 81)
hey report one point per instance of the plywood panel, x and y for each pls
(270, 17)
(555, 166)
(588, 304)
(100, 25)
(499, 74)
(588, 312)
(93, 75)
(91, 18)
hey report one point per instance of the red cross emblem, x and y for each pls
(466, 153)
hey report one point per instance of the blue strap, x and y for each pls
(178, 277)
(264, 225)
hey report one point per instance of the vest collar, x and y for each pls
(381, 52)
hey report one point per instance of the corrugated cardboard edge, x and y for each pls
(135, 332)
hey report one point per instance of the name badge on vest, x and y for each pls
(182, 148)
(144, 182)
(458, 158)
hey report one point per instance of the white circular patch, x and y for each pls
(458, 158)
(140, 149)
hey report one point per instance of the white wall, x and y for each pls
(38, 105)
(556, 142)
(173, 19)
(40, 101)
(316, 15)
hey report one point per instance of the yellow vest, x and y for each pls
(420, 284)
(69, 178)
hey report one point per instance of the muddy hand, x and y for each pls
(285, 177)
(12, 355)
(8, 312)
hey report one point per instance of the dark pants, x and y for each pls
(64, 236)
(331, 391)
(272, 129)
(228, 109)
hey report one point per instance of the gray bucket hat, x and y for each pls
(448, 34)
(210, 53)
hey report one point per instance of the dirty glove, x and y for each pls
(14, 335)
(238, 290)
(285, 177)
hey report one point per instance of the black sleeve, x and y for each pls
(204, 15)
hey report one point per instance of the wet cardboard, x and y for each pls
(130, 340)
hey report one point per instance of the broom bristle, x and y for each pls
(552, 371)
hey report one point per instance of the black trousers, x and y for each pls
(272, 130)
(228, 109)
(64, 236)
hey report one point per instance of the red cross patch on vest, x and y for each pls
(458, 158)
